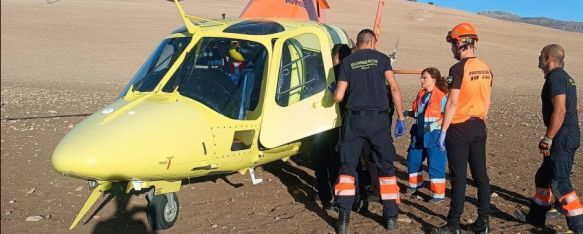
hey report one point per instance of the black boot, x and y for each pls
(481, 226)
(360, 206)
(535, 216)
(391, 224)
(343, 222)
(447, 229)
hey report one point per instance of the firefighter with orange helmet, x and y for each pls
(558, 146)
(463, 132)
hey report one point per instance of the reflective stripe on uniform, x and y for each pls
(570, 197)
(432, 111)
(415, 179)
(438, 188)
(388, 180)
(543, 197)
(431, 119)
(575, 212)
(389, 190)
(390, 196)
(345, 186)
(435, 195)
(571, 204)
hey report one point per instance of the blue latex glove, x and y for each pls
(399, 128)
(442, 141)
(332, 87)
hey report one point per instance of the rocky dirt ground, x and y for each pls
(284, 203)
(62, 60)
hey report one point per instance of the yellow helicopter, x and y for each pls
(216, 96)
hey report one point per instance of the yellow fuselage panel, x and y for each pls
(152, 139)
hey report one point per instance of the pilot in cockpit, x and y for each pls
(236, 62)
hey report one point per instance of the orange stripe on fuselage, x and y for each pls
(294, 9)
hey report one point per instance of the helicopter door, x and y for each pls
(298, 105)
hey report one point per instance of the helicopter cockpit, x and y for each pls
(222, 73)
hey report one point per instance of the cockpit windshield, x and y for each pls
(152, 71)
(224, 74)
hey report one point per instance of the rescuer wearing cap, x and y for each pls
(469, 83)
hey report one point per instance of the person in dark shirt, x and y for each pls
(366, 169)
(362, 79)
(558, 146)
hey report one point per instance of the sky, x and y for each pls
(571, 10)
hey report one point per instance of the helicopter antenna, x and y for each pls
(190, 25)
(393, 55)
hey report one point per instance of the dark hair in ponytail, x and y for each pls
(440, 81)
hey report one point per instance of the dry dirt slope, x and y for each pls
(73, 57)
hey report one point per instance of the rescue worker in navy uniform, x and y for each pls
(463, 132)
(558, 146)
(362, 77)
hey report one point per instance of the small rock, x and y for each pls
(404, 219)
(79, 189)
(53, 111)
(35, 218)
(11, 201)
(31, 191)
(71, 126)
(494, 195)
(8, 212)
(214, 226)
(48, 216)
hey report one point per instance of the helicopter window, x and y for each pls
(255, 27)
(222, 73)
(152, 71)
(333, 34)
(301, 72)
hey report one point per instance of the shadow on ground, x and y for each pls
(122, 221)
(300, 186)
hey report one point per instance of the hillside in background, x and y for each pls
(543, 21)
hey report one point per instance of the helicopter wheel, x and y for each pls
(163, 211)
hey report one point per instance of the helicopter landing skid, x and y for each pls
(255, 180)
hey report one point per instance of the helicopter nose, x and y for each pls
(139, 142)
(70, 162)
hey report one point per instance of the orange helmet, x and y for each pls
(464, 32)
